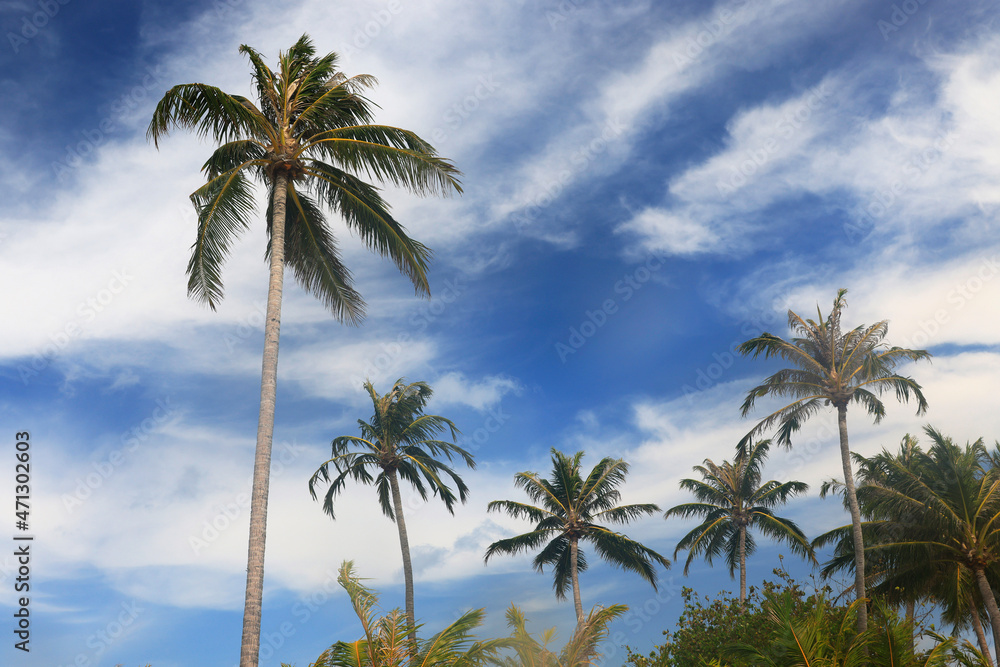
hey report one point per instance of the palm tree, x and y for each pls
(832, 367)
(897, 577)
(398, 442)
(951, 498)
(310, 142)
(882, 578)
(732, 501)
(384, 643)
(570, 507)
(892, 582)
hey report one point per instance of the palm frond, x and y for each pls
(208, 111)
(626, 553)
(312, 254)
(365, 213)
(223, 205)
(388, 154)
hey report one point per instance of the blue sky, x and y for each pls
(647, 184)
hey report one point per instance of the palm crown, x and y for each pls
(942, 512)
(384, 643)
(398, 438)
(569, 510)
(831, 367)
(900, 564)
(310, 136)
(580, 651)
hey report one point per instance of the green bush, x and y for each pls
(781, 625)
(706, 627)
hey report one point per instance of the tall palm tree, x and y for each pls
(569, 508)
(732, 501)
(397, 442)
(832, 367)
(310, 142)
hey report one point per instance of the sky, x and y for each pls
(646, 186)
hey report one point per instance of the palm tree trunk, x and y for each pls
(991, 607)
(574, 576)
(404, 546)
(852, 499)
(743, 565)
(977, 625)
(249, 652)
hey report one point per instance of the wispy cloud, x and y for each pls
(926, 161)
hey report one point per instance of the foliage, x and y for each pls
(783, 625)
(387, 638)
(832, 367)
(580, 651)
(386, 641)
(706, 626)
(932, 525)
(808, 637)
(310, 140)
(890, 577)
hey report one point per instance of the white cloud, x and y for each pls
(481, 395)
(927, 161)
(685, 58)
(948, 302)
(338, 370)
(126, 212)
(673, 234)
